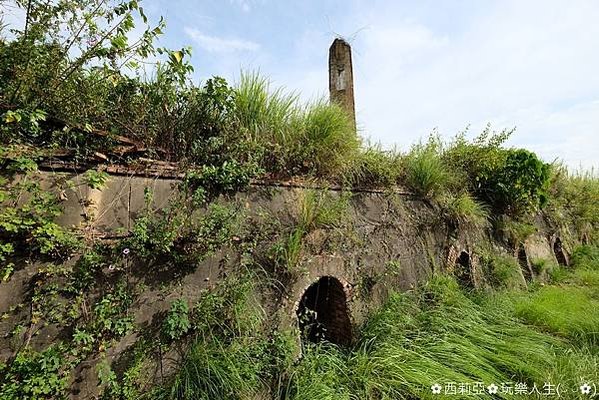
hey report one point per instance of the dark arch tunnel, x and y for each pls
(560, 254)
(323, 314)
(463, 270)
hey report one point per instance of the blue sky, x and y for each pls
(418, 65)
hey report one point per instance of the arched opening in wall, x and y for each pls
(463, 270)
(323, 314)
(524, 264)
(558, 250)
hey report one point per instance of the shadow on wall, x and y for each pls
(323, 314)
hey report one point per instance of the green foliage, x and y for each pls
(27, 214)
(110, 317)
(6, 268)
(87, 267)
(520, 185)
(35, 375)
(502, 270)
(176, 323)
(425, 171)
(462, 210)
(373, 167)
(173, 233)
(67, 59)
(21, 125)
(211, 181)
(512, 181)
(95, 179)
(154, 233)
(127, 386)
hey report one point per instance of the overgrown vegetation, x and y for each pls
(73, 85)
(99, 98)
(317, 209)
(438, 335)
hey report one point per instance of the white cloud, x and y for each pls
(526, 64)
(530, 64)
(245, 5)
(217, 44)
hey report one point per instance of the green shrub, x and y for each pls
(171, 234)
(210, 181)
(513, 181)
(520, 185)
(177, 323)
(35, 375)
(502, 270)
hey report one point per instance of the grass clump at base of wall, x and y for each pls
(502, 270)
(231, 353)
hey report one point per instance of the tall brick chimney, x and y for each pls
(341, 79)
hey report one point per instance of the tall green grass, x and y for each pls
(317, 209)
(425, 172)
(567, 311)
(317, 138)
(464, 211)
(437, 334)
(374, 167)
(228, 356)
(571, 308)
(433, 334)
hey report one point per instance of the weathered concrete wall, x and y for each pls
(390, 241)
